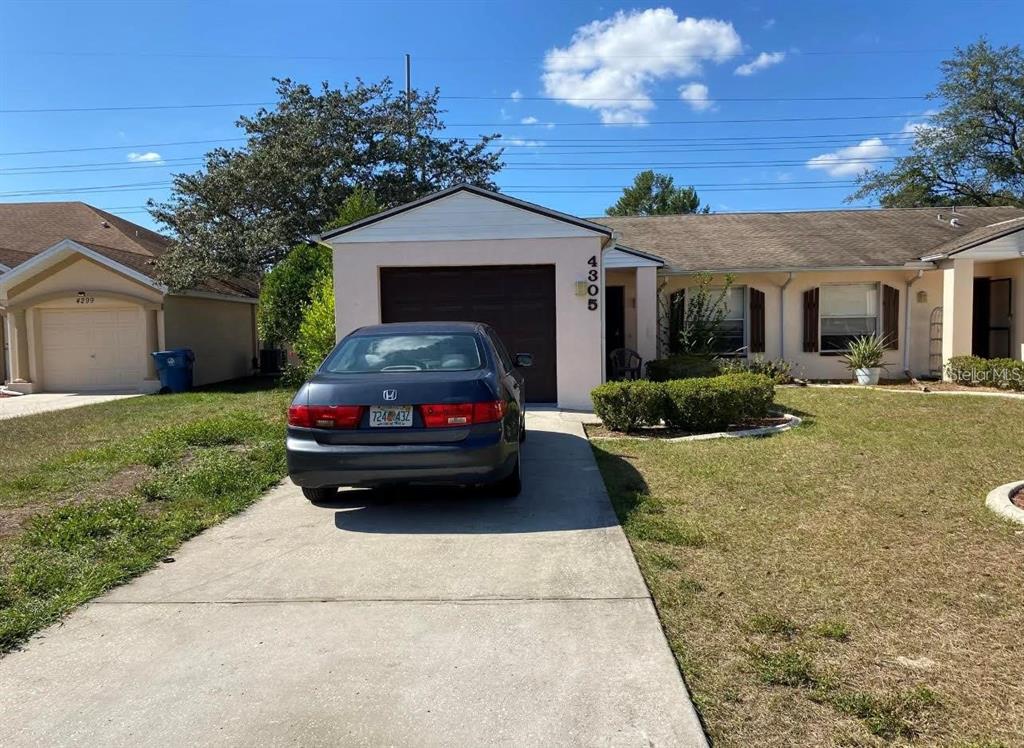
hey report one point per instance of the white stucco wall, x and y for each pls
(578, 331)
(815, 365)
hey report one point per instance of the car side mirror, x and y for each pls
(523, 360)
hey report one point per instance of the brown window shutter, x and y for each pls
(891, 317)
(811, 321)
(756, 321)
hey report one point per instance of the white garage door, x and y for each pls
(91, 349)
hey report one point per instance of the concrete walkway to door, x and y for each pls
(407, 618)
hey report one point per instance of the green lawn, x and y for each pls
(843, 583)
(93, 496)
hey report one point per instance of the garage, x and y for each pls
(92, 349)
(516, 300)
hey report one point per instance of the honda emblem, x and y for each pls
(390, 394)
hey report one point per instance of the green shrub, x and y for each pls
(706, 404)
(682, 366)
(779, 370)
(286, 291)
(627, 406)
(315, 338)
(971, 371)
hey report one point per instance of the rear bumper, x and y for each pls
(480, 458)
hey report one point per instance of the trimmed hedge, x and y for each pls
(682, 366)
(699, 404)
(627, 406)
(971, 371)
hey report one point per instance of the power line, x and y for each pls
(677, 100)
(724, 138)
(550, 167)
(170, 163)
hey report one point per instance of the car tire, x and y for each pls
(320, 494)
(512, 485)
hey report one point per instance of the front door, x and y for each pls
(614, 321)
(993, 317)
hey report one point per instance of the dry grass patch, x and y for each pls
(848, 585)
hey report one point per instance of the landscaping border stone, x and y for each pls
(998, 500)
(792, 422)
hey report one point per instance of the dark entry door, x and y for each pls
(516, 300)
(993, 317)
(614, 320)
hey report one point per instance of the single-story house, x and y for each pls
(938, 282)
(81, 308)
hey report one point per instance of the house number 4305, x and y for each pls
(593, 289)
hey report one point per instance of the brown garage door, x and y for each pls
(516, 300)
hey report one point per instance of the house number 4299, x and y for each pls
(593, 289)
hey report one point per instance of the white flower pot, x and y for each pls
(867, 376)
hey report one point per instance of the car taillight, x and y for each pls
(462, 414)
(325, 416)
(489, 411)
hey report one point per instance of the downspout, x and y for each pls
(782, 316)
(906, 324)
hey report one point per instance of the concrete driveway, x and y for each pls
(44, 402)
(414, 618)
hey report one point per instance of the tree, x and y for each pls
(653, 194)
(972, 151)
(286, 292)
(246, 208)
(288, 287)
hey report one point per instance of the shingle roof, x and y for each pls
(979, 236)
(29, 228)
(813, 239)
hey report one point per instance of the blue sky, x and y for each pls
(585, 94)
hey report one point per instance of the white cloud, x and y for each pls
(768, 25)
(531, 120)
(913, 127)
(522, 142)
(762, 61)
(516, 95)
(696, 95)
(611, 65)
(852, 160)
(147, 157)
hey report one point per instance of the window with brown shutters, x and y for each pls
(811, 321)
(757, 321)
(891, 317)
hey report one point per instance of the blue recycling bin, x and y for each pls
(174, 367)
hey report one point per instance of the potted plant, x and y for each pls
(864, 358)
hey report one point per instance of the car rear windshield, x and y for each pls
(405, 352)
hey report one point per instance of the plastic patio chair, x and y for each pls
(625, 364)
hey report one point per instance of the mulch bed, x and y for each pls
(661, 432)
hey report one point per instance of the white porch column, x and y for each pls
(957, 309)
(647, 313)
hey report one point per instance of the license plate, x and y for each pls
(390, 416)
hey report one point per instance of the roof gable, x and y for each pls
(465, 212)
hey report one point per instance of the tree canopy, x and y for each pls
(247, 207)
(288, 288)
(971, 152)
(653, 194)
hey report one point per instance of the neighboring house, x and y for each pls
(939, 282)
(82, 310)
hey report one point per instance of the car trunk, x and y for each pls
(398, 389)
